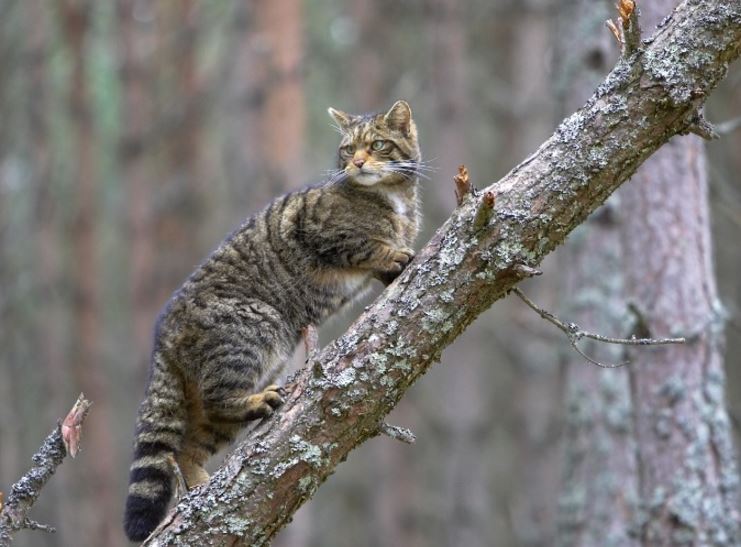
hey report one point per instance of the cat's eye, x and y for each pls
(348, 149)
(378, 145)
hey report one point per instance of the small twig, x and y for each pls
(614, 30)
(484, 211)
(626, 31)
(575, 334)
(72, 425)
(399, 433)
(578, 350)
(23, 494)
(729, 126)
(463, 185)
(33, 525)
(527, 271)
(700, 126)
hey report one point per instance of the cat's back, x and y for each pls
(267, 267)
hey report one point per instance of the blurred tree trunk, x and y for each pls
(51, 317)
(87, 357)
(177, 209)
(685, 460)
(598, 501)
(267, 130)
(686, 457)
(688, 479)
(370, 43)
(538, 377)
(137, 43)
(11, 426)
(465, 515)
(50, 334)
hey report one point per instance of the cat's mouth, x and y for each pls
(366, 177)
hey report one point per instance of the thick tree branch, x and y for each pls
(339, 400)
(23, 494)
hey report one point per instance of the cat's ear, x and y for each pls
(399, 117)
(342, 118)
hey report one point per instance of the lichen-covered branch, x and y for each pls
(23, 494)
(339, 400)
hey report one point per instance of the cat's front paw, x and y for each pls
(261, 405)
(398, 259)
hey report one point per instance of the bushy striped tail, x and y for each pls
(159, 435)
(150, 489)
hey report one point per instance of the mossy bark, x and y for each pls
(337, 402)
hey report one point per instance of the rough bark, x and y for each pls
(337, 402)
(686, 460)
(688, 479)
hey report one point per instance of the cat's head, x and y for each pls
(378, 148)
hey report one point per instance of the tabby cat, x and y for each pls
(222, 339)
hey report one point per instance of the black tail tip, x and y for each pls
(142, 516)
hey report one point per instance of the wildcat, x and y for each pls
(222, 339)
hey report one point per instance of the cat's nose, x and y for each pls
(358, 162)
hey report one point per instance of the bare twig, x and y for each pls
(484, 210)
(626, 31)
(700, 126)
(575, 334)
(24, 493)
(614, 30)
(728, 126)
(399, 433)
(33, 525)
(527, 271)
(72, 425)
(463, 186)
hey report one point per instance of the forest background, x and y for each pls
(135, 135)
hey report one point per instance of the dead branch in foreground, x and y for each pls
(487, 246)
(65, 439)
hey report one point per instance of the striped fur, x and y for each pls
(223, 337)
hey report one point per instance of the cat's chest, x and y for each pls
(399, 204)
(404, 219)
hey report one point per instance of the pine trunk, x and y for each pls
(87, 359)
